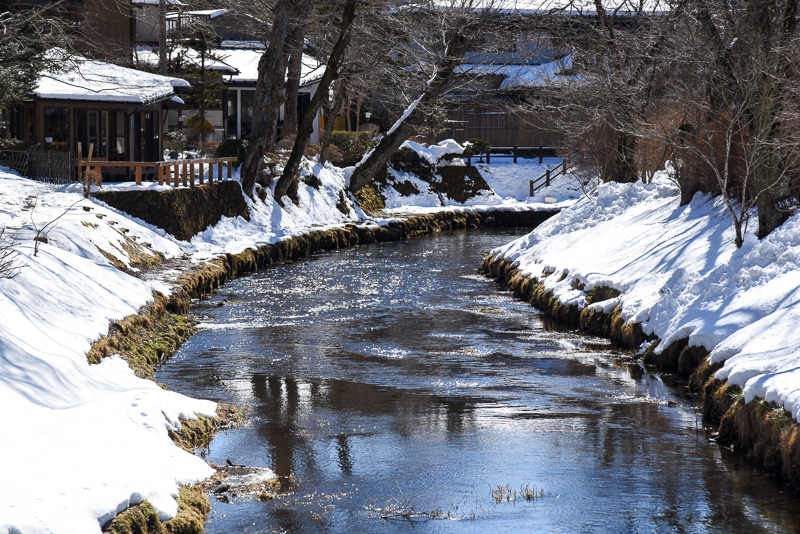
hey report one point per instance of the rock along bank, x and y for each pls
(764, 432)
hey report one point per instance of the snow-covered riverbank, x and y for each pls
(680, 276)
(82, 442)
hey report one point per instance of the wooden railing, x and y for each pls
(173, 172)
(514, 152)
(549, 175)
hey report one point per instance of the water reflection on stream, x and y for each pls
(393, 377)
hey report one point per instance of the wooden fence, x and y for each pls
(551, 174)
(501, 128)
(172, 172)
(514, 152)
(51, 166)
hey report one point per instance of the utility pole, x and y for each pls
(162, 37)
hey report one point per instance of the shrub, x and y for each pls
(336, 156)
(476, 146)
(312, 150)
(285, 144)
(232, 148)
(312, 180)
(209, 149)
(352, 144)
(200, 131)
(175, 142)
(371, 128)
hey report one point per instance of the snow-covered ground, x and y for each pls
(681, 276)
(82, 442)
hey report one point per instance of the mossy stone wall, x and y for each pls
(183, 212)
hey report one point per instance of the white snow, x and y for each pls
(82, 442)
(524, 75)
(88, 79)
(681, 276)
(238, 61)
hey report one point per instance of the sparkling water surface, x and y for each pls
(404, 392)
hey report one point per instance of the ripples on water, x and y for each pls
(394, 377)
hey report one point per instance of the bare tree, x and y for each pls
(294, 49)
(263, 133)
(288, 179)
(9, 268)
(754, 45)
(25, 36)
(437, 36)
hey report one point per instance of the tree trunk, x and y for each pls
(276, 101)
(626, 159)
(366, 171)
(267, 66)
(295, 44)
(333, 112)
(287, 182)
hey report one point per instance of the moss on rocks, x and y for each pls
(182, 212)
(198, 434)
(193, 507)
(146, 339)
(764, 431)
(370, 199)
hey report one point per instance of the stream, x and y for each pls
(393, 388)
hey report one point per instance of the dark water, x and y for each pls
(392, 379)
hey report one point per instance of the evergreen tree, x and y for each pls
(25, 36)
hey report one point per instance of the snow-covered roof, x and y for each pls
(92, 80)
(156, 2)
(205, 13)
(576, 7)
(241, 63)
(521, 76)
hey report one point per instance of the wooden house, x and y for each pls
(118, 111)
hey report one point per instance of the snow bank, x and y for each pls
(681, 276)
(509, 183)
(80, 442)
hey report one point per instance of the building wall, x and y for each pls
(501, 128)
(106, 30)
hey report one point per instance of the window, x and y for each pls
(231, 107)
(92, 130)
(56, 128)
(119, 131)
(247, 112)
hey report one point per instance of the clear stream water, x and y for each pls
(390, 379)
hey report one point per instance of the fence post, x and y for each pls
(541, 154)
(230, 168)
(160, 175)
(186, 171)
(469, 161)
(219, 169)
(200, 174)
(532, 191)
(138, 175)
(488, 158)
(565, 167)
(547, 178)
(515, 154)
(211, 173)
